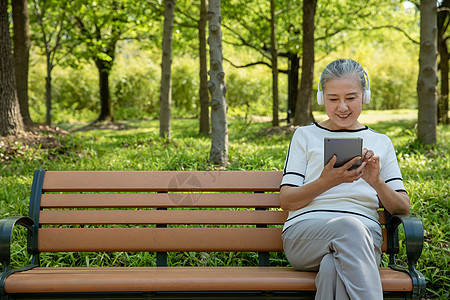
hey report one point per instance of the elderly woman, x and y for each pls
(333, 225)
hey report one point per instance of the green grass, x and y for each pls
(138, 147)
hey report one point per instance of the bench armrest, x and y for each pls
(6, 229)
(414, 244)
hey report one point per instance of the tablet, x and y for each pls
(345, 149)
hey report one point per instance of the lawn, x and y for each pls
(253, 145)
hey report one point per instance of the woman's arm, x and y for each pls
(293, 198)
(396, 203)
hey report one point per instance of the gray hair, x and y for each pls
(341, 68)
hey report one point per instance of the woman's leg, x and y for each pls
(354, 249)
(329, 284)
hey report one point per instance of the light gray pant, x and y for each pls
(344, 251)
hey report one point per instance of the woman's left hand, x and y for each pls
(371, 171)
(395, 202)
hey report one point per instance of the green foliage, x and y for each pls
(393, 87)
(247, 92)
(134, 90)
(50, 27)
(185, 86)
(76, 90)
(74, 94)
(138, 147)
(100, 25)
(377, 34)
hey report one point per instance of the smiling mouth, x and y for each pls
(343, 116)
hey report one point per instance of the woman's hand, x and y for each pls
(371, 172)
(395, 202)
(334, 176)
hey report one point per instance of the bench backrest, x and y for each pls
(158, 211)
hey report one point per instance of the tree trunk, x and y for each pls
(443, 23)
(273, 42)
(104, 68)
(10, 119)
(303, 109)
(166, 71)
(427, 79)
(203, 91)
(48, 98)
(21, 55)
(48, 84)
(444, 91)
(217, 88)
(294, 66)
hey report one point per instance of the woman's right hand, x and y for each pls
(332, 176)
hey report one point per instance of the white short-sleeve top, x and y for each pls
(305, 162)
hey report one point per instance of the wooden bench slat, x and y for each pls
(159, 239)
(86, 181)
(212, 217)
(384, 246)
(382, 217)
(201, 200)
(113, 279)
(128, 239)
(167, 217)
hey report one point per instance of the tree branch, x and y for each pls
(254, 64)
(248, 65)
(244, 42)
(188, 16)
(184, 24)
(369, 29)
(333, 33)
(396, 28)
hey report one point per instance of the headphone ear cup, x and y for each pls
(320, 97)
(366, 97)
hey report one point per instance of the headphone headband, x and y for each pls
(366, 93)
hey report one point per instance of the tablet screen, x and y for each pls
(344, 148)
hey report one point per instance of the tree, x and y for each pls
(10, 118)
(217, 87)
(253, 24)
(443, 23)
(52, 22)
(166, 75)
(21, 55)
(100, 26)
(274, 52)
(303, 112)
(191, 15)
(293, 70)
(100, 30)
(203, 89)
(427, 80)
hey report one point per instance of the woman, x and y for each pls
(333, 224)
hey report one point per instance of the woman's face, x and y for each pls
(343, 103)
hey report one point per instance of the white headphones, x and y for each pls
(366, 94)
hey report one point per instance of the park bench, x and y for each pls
(172, 211)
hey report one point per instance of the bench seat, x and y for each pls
(122, 279)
